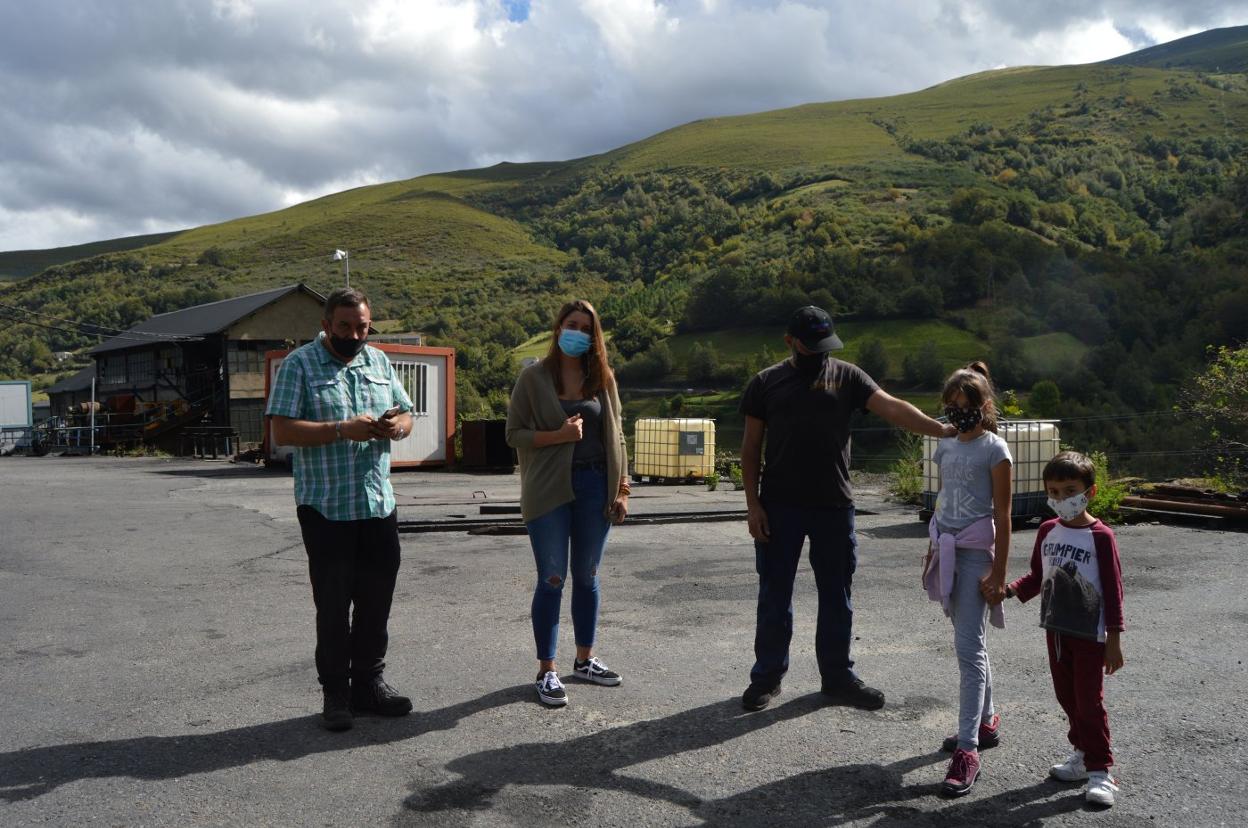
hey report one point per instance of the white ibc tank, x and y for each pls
(675, 447)
(1033, 443)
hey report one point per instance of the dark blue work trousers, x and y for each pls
(833, 559)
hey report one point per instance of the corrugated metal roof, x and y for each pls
(198, 321)
(78, 382)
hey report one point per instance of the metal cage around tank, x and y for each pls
(1032, 443)
(667, 449)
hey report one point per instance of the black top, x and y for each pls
(590, 446)
(806, 460)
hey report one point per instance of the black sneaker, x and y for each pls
(757, 696)
(375, 696)
(855, 693)
(592, 669)
(336, 714)
(550, 689)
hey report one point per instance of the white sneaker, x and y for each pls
(1072, 770)
(550, 690)
(1101, 788)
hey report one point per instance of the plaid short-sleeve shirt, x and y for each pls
(345, 479)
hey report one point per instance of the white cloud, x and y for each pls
(126, 118)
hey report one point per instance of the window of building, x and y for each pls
(169, 360)
(246, 356)
(247, 418)
(415, 379)
(139, 365)
(112, 370)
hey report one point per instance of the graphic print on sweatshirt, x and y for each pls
(1070, 595)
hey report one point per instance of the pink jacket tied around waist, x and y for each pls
(938, 577)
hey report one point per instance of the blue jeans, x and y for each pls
(833, 559)
(583, 526)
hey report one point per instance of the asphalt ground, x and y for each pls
(156, 636)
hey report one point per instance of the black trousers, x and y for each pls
(353, 565)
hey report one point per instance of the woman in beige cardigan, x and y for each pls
(564, 422)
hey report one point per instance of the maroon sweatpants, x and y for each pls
(1078, 667)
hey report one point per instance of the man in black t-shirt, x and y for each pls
(803, 406)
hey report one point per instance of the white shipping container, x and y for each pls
(16, 417)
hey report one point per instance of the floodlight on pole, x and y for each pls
(341, 255)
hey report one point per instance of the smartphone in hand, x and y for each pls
(392, 412)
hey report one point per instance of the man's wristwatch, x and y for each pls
(338, 429)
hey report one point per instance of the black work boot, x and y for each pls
(336, 714)
(759, 694)
(375, 696)
(854, 693)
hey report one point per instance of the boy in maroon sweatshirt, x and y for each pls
(1075, 571)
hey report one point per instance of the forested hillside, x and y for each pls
(1086, 225)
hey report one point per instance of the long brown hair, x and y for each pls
(594, 361)
(975, 382)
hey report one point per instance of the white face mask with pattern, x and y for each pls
(1070, 508)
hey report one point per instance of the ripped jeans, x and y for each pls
(581, 525)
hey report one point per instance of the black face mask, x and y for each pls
(964, 419)
(808, 363)
(346, 348)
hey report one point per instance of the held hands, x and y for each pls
(570, 431)
(1113, 653)
(992, 587)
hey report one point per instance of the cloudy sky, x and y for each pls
(120, 117)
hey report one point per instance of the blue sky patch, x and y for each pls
(517, 10)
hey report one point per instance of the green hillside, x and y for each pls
(18, 264)
(1084, 224)
(1217, 50)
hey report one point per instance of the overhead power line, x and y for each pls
(8, 315)
(102, 330)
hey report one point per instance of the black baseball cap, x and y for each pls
(812, 327)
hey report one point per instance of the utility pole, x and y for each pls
(342, 256)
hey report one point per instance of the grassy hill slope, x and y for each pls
(1061, 216)
(1217, 50)
(18, 264)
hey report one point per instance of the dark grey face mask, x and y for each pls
(808, 363)
(346, 348)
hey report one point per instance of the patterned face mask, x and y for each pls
(1070, 508)
(964, 419)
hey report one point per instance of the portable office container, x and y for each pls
(428, 375)
(16, 417)
(674, 448)
(1032, 443)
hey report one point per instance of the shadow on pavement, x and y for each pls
(832, 796)
(33, 772)
(594, 761)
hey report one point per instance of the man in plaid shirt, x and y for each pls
(340, 403)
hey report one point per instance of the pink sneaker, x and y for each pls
(963, 771)
(989, 736)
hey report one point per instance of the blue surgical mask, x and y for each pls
(573, 343)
